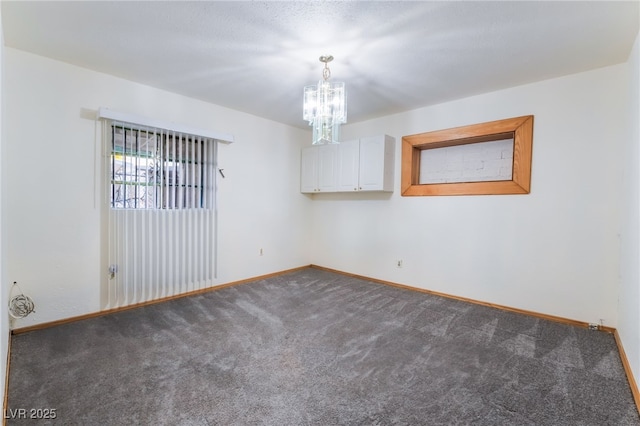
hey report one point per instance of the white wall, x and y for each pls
(4, 283)
(50, 199)
(629, 302)
(554, 251)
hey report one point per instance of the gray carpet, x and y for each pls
(317, 348)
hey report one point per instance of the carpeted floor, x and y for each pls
(316, 348)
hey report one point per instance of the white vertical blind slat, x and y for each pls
(213, 176)
(144, 220)
(180, 167)
(188, 216)
(164, 242)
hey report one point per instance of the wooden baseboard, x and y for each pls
(5, 402)
(150, 302)
(476, 302)
(261, 277)
(627, 369)
(625, 362)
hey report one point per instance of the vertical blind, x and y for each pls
(162, 213)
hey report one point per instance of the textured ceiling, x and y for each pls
(394, 56)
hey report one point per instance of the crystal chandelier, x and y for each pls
(325, 107)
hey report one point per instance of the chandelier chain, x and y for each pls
(326, 72)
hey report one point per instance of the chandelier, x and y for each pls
(325, 107)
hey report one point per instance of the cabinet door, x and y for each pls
(327, 164)
(309, 169)
(348, 165)
(371, 163)
(358, 165)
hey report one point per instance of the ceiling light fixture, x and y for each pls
(325, 107)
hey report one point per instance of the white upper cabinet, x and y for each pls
(348, 165)
(318, 169)
(376, 163)
(309, 169)
(364, 164)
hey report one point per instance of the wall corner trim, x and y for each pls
(627, 369)
(5, 402)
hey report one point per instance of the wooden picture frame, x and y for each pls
(518, 128)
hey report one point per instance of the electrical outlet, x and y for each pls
(593, 326)
(113, 270)
(399, 263)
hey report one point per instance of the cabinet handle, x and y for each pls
(360, 188)
(355, 189)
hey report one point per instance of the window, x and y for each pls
(507, 171)
(160, 170)
(474, 162)
(161, 223)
